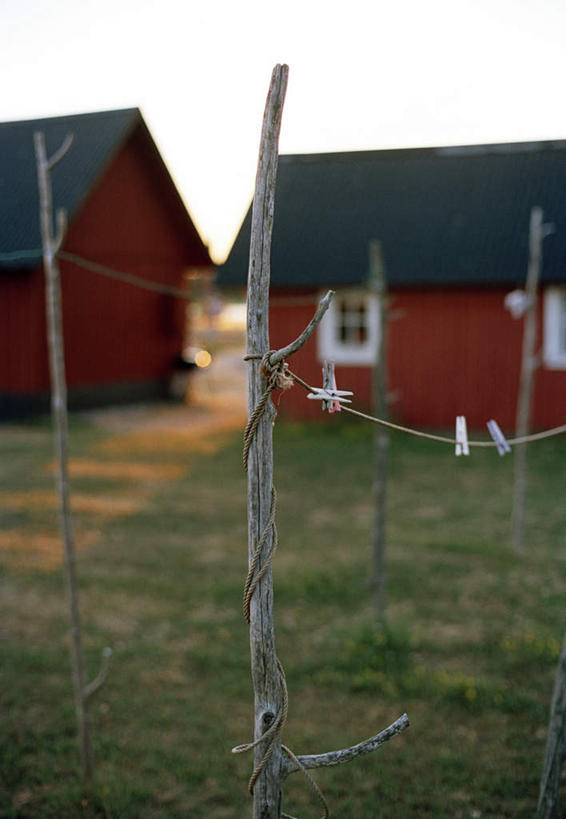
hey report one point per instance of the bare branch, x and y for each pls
(91, 689)
(58, 155)
(332, 758)
(61, 219)
(299, 342)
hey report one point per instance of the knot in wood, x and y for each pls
(268, 719)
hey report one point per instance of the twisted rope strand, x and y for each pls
(279, 725)
(273, 377)
(271, 374)
(312, 783)
(276, 728)
(252, 578)
(277, 376)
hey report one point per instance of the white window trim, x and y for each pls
(554, 353)
(331, 349)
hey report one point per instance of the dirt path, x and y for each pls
(129, 458)
(216, 402)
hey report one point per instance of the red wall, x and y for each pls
(22, 332)
(114, 332)
(451, 352)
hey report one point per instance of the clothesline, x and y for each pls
(525, 439)
(156, 287)
(101, 270)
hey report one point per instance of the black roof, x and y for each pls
(450, 216)
(97, 138)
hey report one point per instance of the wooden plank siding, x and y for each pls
(451, 352)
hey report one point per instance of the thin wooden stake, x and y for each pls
(528, 369)
(265, 676)
(381, 438)
(60, 427)
(547, 807)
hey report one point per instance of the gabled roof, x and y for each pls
(97, 139)
(449, 216)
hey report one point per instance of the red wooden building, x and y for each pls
(453, 225)
(124, 214)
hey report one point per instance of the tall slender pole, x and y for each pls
(270, 692)
(549, 793)
(381, 439)
(51, 245)
(265, 673)
(528, 369)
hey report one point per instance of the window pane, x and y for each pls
(347, 334)
(352, 320)
(342, 325)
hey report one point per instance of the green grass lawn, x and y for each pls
(469, 652)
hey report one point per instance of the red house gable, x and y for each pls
(120, 340)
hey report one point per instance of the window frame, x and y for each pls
(554, 336)
(329, 346)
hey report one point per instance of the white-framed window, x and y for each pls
(554, 345)
(348, 333)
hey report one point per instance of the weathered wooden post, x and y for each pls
(529, 366)
(273, 762)
(547, 807)
(378, 287)
(51, 246)
(264, 666)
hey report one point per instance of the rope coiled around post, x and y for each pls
(276, 378)
(252, 578)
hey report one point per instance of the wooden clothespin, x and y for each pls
(327, 371)
(498, 437)
(462, 447)
(330, 396)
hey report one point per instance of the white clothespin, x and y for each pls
(498, 437)
(330, 396)
(329, 383)
(462, 447)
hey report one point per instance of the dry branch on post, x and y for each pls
(332, 758)
(51, 246)
(267, 370)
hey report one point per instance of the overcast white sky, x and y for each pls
(362, 75)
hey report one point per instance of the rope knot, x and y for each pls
(277, 376)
